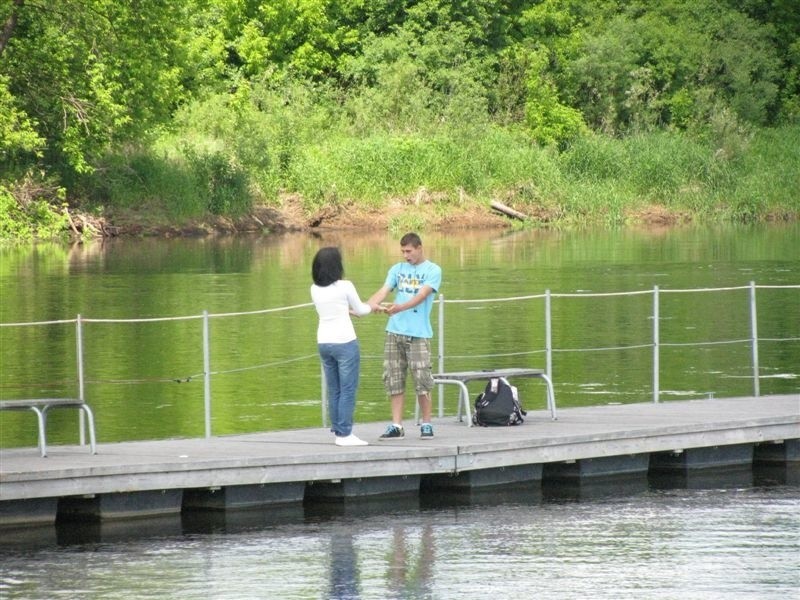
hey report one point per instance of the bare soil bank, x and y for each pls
(291, 217)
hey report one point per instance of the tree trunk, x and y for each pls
(10, 25)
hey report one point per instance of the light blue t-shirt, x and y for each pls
(407, 279)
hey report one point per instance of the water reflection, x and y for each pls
(771, 475)
(523, 493)
(361, 507)
(82, 533)
(729, 478)
(199, 521)
(595, 488)
(343, 567)
(27, 538)
(658, 544)
(411, 561)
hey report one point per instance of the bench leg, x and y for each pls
(40, 417)
(463, 400)
(90, 419)
(551, 396)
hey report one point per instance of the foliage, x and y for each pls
(208, 106)
(649, 65)
(550, 121)
(140, 178)
(18, 137)
(444, 166)
(411, 81)
(223, 183)
(90, 73)
(26, 218)
(196, 182)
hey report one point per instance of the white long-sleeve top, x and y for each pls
(333, 303)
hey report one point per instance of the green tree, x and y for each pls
(89, 73)
(18, 136)
(433, 65)
(640, 65)
(782, 18)
(549, 121)
(230, 40)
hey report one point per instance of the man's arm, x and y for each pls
(378, 297)
(416, 300)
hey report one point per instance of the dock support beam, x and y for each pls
(121, 505)
(244, 496)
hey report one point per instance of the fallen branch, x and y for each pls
(507, 210)
(71, 222)
(88, 226)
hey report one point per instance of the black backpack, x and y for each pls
(498, 404)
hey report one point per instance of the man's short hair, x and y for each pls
(411, 239)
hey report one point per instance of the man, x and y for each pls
(407, 347)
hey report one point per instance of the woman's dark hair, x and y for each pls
(327, 266)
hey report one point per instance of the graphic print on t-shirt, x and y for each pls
(408, 283)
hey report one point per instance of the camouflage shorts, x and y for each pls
(401, 354)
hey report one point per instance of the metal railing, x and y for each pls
(656, 344)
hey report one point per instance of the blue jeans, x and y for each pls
(341, 364)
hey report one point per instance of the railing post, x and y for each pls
(206, 374)
(656, 342)
(548, 335)
(754, 336)
(81, 388)
(441, 353)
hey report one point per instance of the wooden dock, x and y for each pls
(244, 471)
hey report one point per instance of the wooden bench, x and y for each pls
(41, 405)
(461, 378)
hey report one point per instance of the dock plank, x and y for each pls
(310, 455)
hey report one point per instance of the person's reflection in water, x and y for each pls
(409, 574)
(344, 567)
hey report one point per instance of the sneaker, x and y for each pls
(350, 440)
(426, 431)
(393, 432)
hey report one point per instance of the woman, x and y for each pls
(334, 299)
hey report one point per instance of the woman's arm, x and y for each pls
(357, 307)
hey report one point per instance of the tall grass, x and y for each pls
(768, 176)
(685, 174)
(227, 153)
(384, 165)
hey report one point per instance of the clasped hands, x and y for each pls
(388, 308)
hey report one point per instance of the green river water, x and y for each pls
(142, 302)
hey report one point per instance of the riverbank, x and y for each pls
(421, 212)
(418, 213)
(402, 182)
